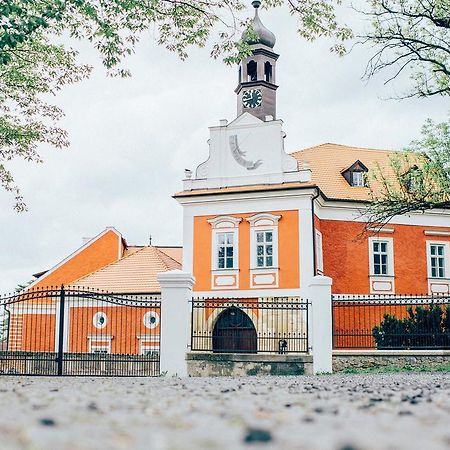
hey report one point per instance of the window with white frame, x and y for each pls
(358, 178)
(150, 349)
(225, 250)
(381, 257)
(264, 240)
(225, 242)
(264, 248)
(100, 346)
(437, 254)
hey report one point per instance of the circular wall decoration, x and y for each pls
(100, 320)
(151, 319)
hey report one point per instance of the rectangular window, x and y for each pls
(225, 250)
(380, 258)
(437, 260)
(101, 347)
(264, 248)
(358, 179)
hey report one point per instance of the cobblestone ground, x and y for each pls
(328, 412)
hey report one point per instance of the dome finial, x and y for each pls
(262, 34)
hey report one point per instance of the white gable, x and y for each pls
(244, 152)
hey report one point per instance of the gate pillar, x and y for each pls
(321, 326)
(176, 292)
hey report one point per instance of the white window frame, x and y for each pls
(224, 224)
(319, 252)
(100, 342)
(361, 178)
(265, 244)
(147, 323)
(263, 222)
(390, 258)
(445, 244)
(148, 345)
(95, 321)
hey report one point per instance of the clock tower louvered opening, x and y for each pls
(256, 91)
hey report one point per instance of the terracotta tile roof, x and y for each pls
(175, 253)
(328, 161)
(135, 272)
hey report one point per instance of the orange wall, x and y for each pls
(346, 256)
(288, 251)
(124, 325)
(101, 252)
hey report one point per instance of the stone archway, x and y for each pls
(234, 332)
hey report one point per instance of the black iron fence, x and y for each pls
(391, 322)
(73, 331)
(262, 325)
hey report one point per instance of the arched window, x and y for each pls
(252, 74)
(268, 72)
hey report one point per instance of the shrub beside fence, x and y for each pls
(391, 322)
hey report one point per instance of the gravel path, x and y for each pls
(328, 412)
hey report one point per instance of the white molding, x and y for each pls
(225, 222)
(224, 273)
(263, 219)
(319, 251)
(380, 229)
(436, 233)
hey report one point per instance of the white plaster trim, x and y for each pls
(391, 352)
(233, 221)
(380, 229)
(225, 273)
(262, 219)
(436, 233)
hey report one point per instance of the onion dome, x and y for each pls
(264, 36)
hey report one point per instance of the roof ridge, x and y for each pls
(168, 256)
(108, 265)
(342, 145)
(160, 252)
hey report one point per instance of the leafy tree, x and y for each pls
(418, 179)
(31, 65)
(411, 36)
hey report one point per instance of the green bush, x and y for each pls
(425, 327)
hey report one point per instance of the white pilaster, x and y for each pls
(176, 291)
(321, 326)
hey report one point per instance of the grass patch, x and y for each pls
(398, 369)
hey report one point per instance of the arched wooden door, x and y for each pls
(234, 332)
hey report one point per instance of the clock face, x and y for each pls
(252, 98)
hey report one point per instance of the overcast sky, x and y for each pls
(132, 138)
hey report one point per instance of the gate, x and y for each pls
(73, 331)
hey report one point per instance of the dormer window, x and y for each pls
(356, 174)
(358, 179)
(412, 179)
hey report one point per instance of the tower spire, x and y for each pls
(256, 90)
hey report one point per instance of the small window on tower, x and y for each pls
(240, 74)
(268, 72)
(252, 71)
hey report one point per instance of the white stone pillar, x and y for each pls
(322, 325)
(176, 292)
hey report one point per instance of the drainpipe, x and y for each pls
(313, 198)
